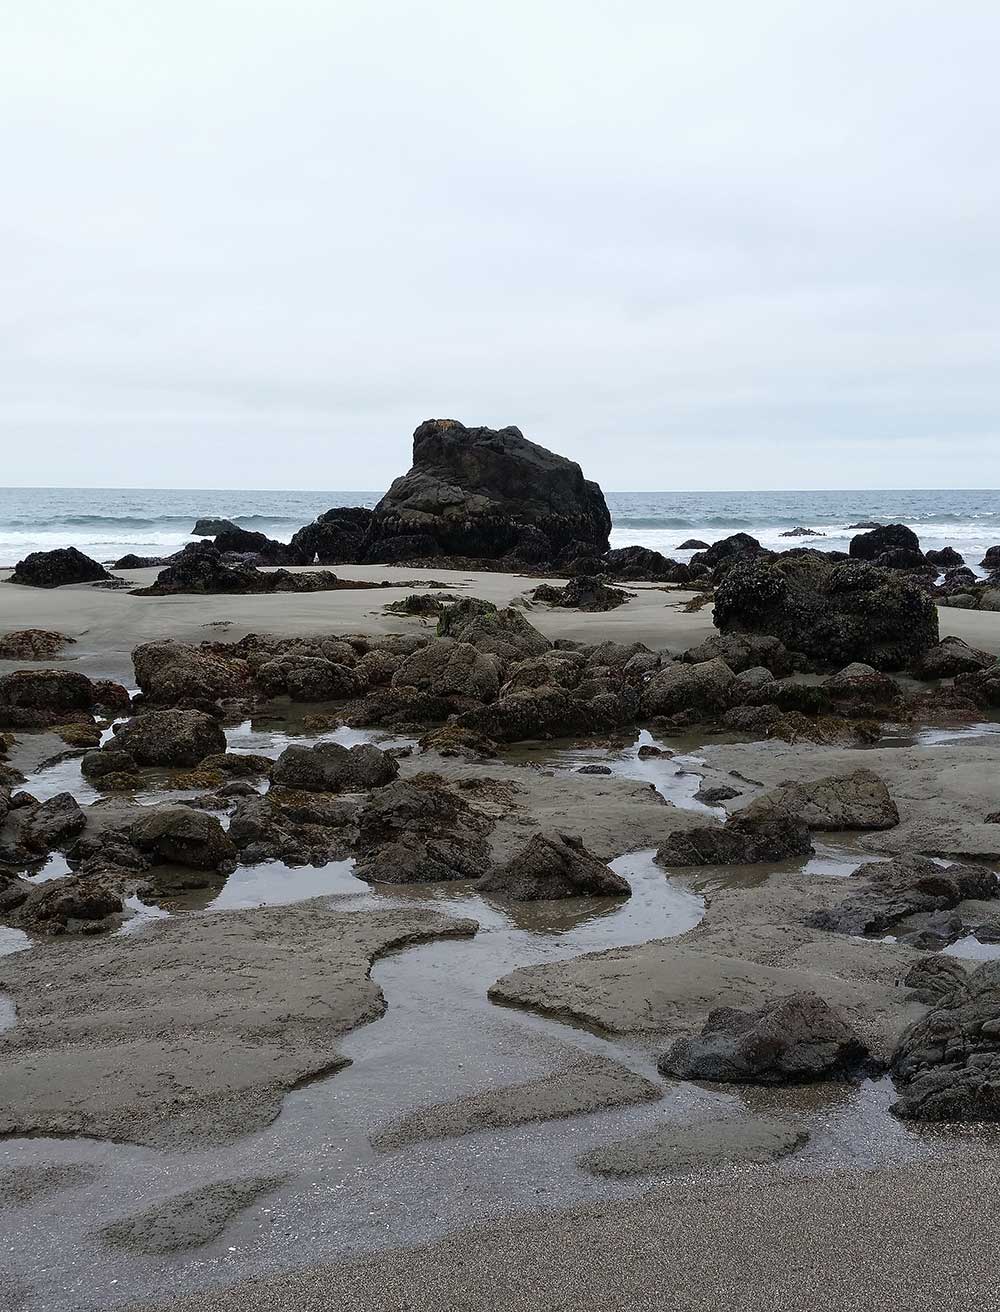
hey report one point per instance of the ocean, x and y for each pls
(108, 522)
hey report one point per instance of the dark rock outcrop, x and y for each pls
(420, 830)
(181, 836)
(173, 673)
(201, 568)
(56, 569)
(742, 840)
(338, 537)
(36, 698)
(682, 687)
(474, 491)
(793, 1040)
(553, 866)
(892, 892)
(331, 768)
(209, 528)
(859, 800)
(296, 827)
(582, 593)
(169, 738)
(32, 644)
(947, 1065)
(725, 552)
(887, 537)
(950, 657)
(946, 558)
(835, 613)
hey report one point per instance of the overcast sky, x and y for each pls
(698, 244)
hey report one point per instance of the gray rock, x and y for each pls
(740, 841)
(682, 687)
(170, 738)
(553, 866)
(181, 836)
(859, 800)
(420, 830)
(791, 1040)
(331, 768)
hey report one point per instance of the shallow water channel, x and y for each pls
(440, 1039)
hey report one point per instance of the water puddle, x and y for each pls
(971, 949)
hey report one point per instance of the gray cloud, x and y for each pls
(722, 245)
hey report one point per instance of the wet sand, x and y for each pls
(203, 1053)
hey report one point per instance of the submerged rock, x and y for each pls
(56, 569)
(553, 866)
(792, 1040)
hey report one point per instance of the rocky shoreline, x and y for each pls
(319, 905)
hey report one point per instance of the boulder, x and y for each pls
(548, 712)
(858, 689)
(56, 569)
(632, 564)
(725, 552)
(37, 698)
(947, 1064)
(950, 657)
(242, 541)
(331, 768)
(169, 738)
(744, 651)
(420, 830)
(892, 892)
(582, 593)
(473, 492)
(181, 836)
(84, 903)
(32, 644)
(33, 829)
(177, 673)
(800, 532)
(292, 826)
(693, 544)
(210, 528)
(553, 866)
(449, 668)
(106, 761)
(307, 678)
(946, 558)
(886, 537)
(792, 1040)
(504, 633)
(991, 560)
(835, 613)
(859, 800)
(934, 978)
(741, 841)
(682, 687)
(201, 568)
(337, 537)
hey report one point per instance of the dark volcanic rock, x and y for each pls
(331, 768)
(835, 613)
(178, 674)
(868, 546)
(473, 491)
(420, 830)
(631, 564)
(245, 541)
(947, 1065)
(742, 840)
(298, 828)
(859, 800)
(891, 892)
(991, 560)
(800, 532)
(946, 558)
(950, 657)
(201, 568)
(74, 902)
(32, 644)
(681, 687)
(739, 546)
(169, 737)
(746, 651)
(505, 633)
(55, 569)
(337, 537)
(553, 866)
(582, 593)
(693, 544)
(184, 837)
(209, 528)
(36, 698)
(795, 1039)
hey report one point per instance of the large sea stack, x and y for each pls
(487, 493)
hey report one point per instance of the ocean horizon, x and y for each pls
(107, 523)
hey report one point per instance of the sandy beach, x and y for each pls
(290, 1089)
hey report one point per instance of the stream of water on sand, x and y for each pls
(441, 1038)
